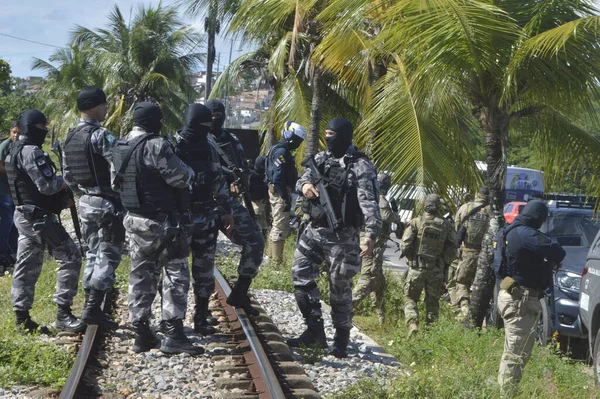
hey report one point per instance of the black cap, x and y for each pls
(90, 97)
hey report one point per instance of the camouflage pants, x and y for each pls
(340, 253)
(428, 278)
(30, 257)
(372, 280)
(204, 246)
(280, 227)
(145, 240)
(103, 256)
(464, 275)
(261, 210)
(246, 233)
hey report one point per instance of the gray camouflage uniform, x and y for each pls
(145, 239)
(338, 249)
(31, 244)
(98, 206)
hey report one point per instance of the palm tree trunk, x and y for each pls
(316, 113)
(210, 60)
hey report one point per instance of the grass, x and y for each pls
(444, 360)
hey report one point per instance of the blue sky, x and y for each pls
(51, 21)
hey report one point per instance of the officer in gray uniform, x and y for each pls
(149, 177)
(87, 170)
(351, 182)
(246, 231)
(211, 206)
(38, 194)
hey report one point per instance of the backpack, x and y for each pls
(431, 239)
(500, 262)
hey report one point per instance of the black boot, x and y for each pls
(340, 343)
(200, 322)
(93, 313)
(313, 336)
(144, 337)
(239, 296)
(176, 341)
(24, 322)
(161, 327)
(65, 321)
(86, 297)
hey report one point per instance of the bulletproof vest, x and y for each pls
(431, 238)
(225, 143)
(476, 227)
(88, 168)
(143, 190)
(198, 156)
(23, 189)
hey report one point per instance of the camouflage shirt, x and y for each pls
(366, 178)
(36, 163)
(412, 236)
(387, 218)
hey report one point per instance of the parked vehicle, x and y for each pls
(512, 210)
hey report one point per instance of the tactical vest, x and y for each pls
(270, 167)
(88, 168)
(143, 190)
(476, 226)
(199, 157)
(23, 189)
(431, 238)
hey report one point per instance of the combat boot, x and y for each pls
(277, 253)
(65, 321)
(200, 321)
(161, 327)
(313, 336)
(176, 341)
(340, 343)
(24, 322)
(144, 337)
(93, 313)
(86, 297)
(239, 296)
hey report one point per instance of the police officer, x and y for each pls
(87, 162)
(211, 206)
(530, 257)
(259, 194)
(428, 244)
(472, 221)
(38, 194)
(282, 176)
(246, 231)
(149, 178)
(372, 280)
(352, 187)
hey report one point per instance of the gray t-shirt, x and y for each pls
(4, 150)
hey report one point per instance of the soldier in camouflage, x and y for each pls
(372, 280)
(211, 206)
(246, 231)
(87, 166)
(38, 194)
(428, 244)
(352, 187)
(150, 178)
(473, 218)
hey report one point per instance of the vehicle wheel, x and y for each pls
(545, 327)
(493, 318)
(596, 357)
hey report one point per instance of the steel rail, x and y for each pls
(266, 369)
(68, 391)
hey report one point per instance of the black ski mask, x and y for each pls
(338, 144)
(294, 142)
(148, 116)
(217, 123)
(195, 115)
(534, 214)
(31, 132)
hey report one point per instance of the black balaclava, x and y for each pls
(148, 116)
(217, 123)
(90, 97)
(260, 164)
(31, 132)
(534, 214)
(338, 144)
(193, 117)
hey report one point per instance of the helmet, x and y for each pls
(432, 203)
(385, 181)
(293, 129)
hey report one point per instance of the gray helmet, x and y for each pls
(432, 203)
(385, 181)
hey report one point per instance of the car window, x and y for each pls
(508, 208)
(573, 229)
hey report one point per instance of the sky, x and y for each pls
(51, 22)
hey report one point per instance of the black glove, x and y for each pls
(394, 205)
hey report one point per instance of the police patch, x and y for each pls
(281, 159)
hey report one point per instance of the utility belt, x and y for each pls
(509, 285)
(45, 224)
(420, 263)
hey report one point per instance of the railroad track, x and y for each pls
(250, 359)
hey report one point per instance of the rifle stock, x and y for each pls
(324, 199)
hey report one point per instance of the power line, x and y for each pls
(27, 40)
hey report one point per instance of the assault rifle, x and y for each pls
(324, 200)
(241, 178)
(57, 149)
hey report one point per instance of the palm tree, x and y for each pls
(148, 58)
